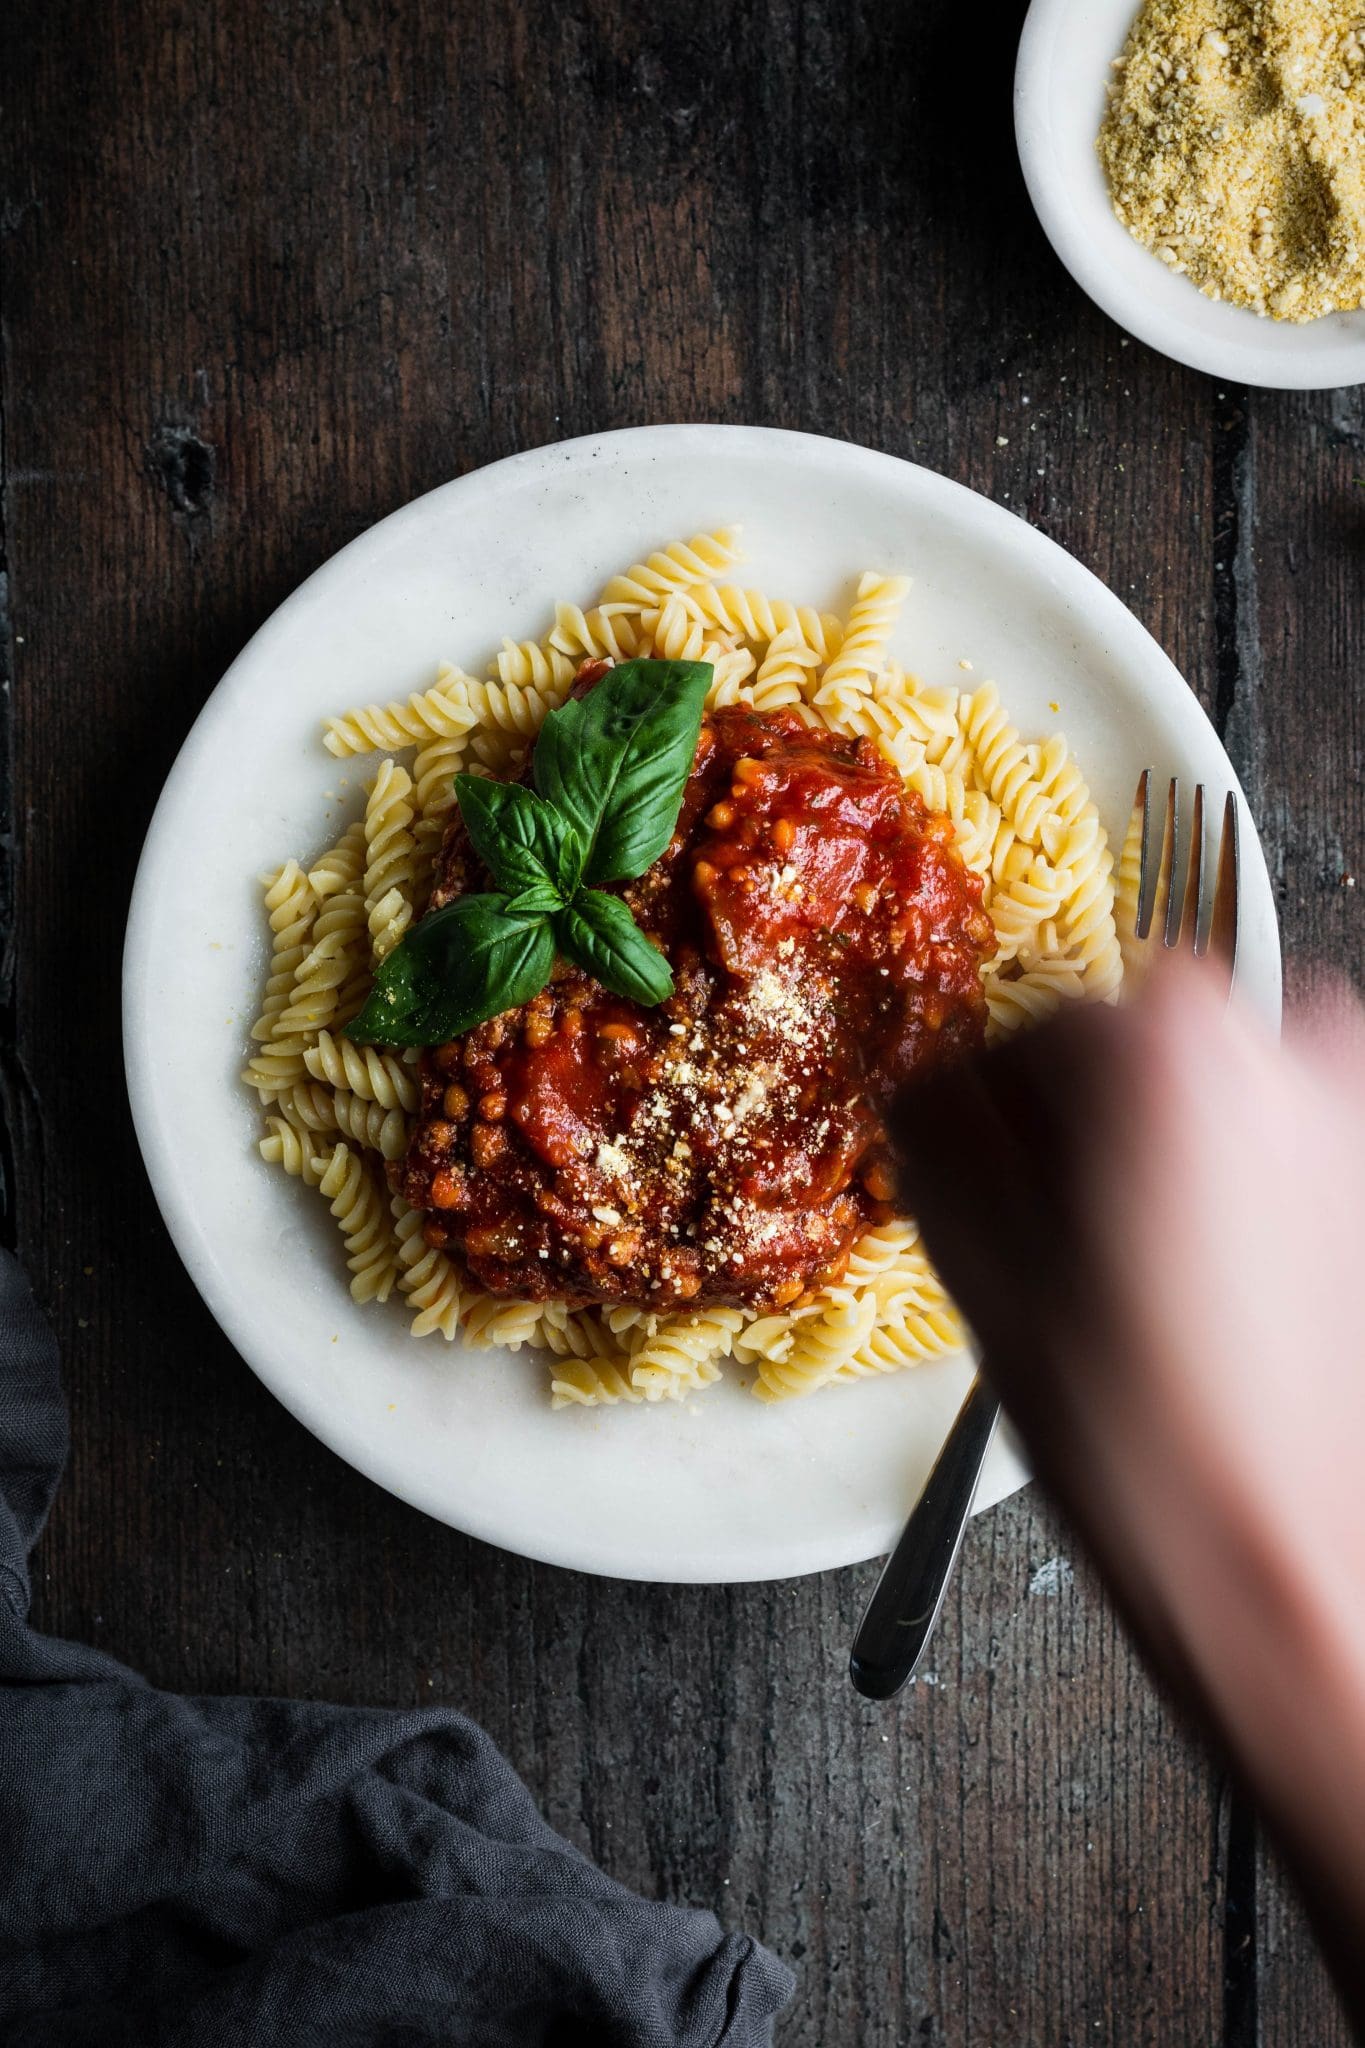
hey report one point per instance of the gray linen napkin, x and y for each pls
(202, 1871)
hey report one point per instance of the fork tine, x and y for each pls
(1170, 866)
(1155, 898)
(1227, 890)
(1187, 926)
(1146, 891)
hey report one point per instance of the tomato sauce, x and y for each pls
(729, 1146)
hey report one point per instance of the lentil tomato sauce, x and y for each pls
(729, 1146)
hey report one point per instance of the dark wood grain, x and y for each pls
(1301, 500)
(269, 271)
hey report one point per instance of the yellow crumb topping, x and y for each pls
(1234, 145)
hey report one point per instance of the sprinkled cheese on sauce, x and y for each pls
(727, 1147)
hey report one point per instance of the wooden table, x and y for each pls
(270, 270)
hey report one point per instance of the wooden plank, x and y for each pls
(271, 271)
(1297, 2001)
(1297, 727)
(1297, 732)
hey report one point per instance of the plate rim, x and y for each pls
(1265, 366)
(161, 1158)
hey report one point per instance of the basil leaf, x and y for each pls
(542, 899)
(614, 762)
(600, 934)
(458, 967)
(570, 871)
(516, 834)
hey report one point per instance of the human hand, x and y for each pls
(1154, 1220)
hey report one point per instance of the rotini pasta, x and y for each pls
(1088, 926)
(533, 665)
(919, 1330)
(684, 1354)
(426, 1277)
(337, 1112)
(390, 852)
(342, 866)
(576, 1333)
(287, 1146)
(1019, 909)
(820, 1345)
(370, 1124)
(590, 1383)
(490, 1320)
(890, 1248)
(363, 1217)
(784, 671)
(900, 719)
(438, 761)
(863, 647)
(679, 566)
(442, 712)
(610, 632)
(675, 634)
(752, 616)
(312, 1106)
(374, 1076)
(291, 904)
(339, 952)
(1003, 766)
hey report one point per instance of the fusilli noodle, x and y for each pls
(590, 1383)
(284, 1145)
(426, 1276)
(488, 1319)
(312, 1106)
(684, 1354)
(534, 665)
(372, 1075)
(760, 619)
(441, 712)
(390, 851)
(869, 628)
(340, 950)
(820, 1344)
(679, 566)
(363, 1217)
(609, 632)
(291, 905)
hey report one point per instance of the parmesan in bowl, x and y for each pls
(1234, 146)
(1220, 220)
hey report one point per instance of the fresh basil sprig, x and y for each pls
(613, 763)
(608, 774)
(599, 933)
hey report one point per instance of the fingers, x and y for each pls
(963, 1174)
(1026, 1165)
(1327, 1031)
(995, 1159)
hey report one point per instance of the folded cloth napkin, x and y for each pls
(177, 1871)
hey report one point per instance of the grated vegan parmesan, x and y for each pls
(1234, 145)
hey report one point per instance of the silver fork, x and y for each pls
(1205, 919)
(1173, 895)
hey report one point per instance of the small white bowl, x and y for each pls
(1065, 55)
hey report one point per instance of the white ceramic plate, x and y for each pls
(1059, 101)
(725, 1488)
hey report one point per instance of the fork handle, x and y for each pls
(906, 1601)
